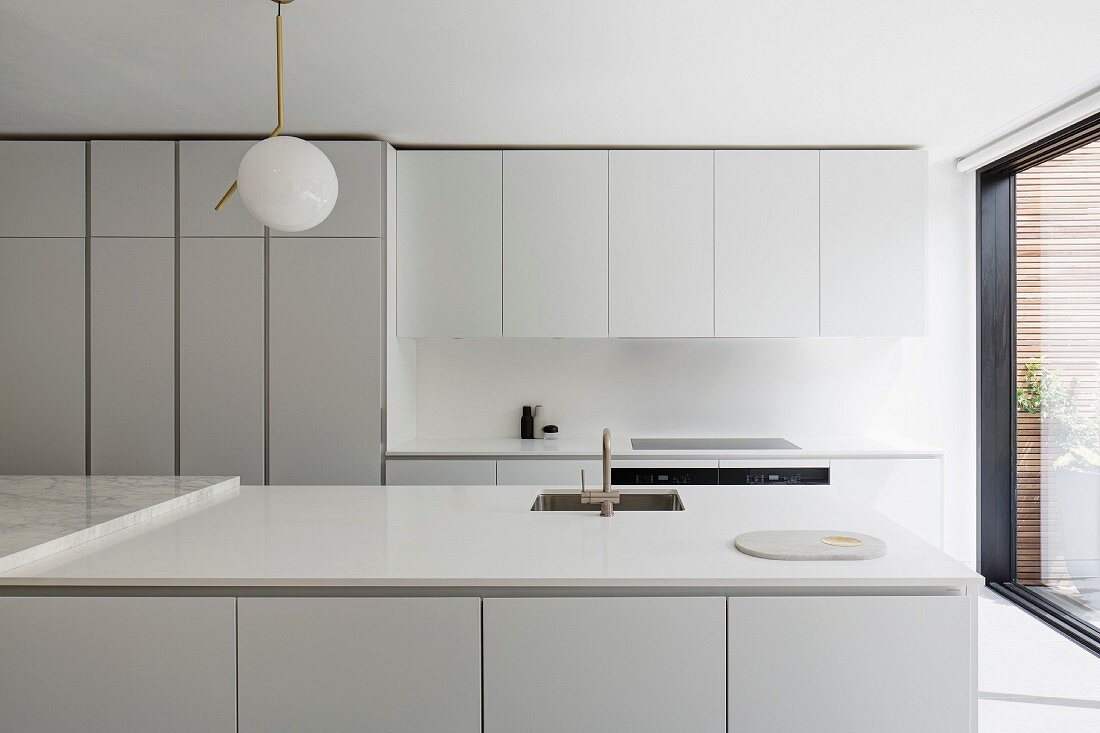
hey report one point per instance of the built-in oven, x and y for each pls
(736, 473)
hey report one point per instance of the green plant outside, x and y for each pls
(1044, 392)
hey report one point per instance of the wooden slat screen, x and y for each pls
(1058, 321)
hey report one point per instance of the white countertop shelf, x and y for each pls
(465, 538)
(505, 448)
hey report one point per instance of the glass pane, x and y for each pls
(1058, 380)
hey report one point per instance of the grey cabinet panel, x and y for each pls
(41, 356)
(324, 361)
(133, 356)
(358, 210)
(133, 191)
(117, 664)
(41, 188)
(221, 324)
(665, 658)
(207, 168)
(360, 664)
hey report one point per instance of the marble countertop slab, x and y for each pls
(43, 515)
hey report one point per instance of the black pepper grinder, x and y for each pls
(527, 423)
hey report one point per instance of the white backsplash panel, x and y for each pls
(668, 387)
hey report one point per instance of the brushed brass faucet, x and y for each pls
(607, 497)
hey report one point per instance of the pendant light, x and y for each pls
(285, 182)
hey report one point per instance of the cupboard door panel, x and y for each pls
(860, 664)
(555, 243)
(359, 664)
(222, 358)
(325, 361)
(42, 358)
(449, 263)
(118, 664)
(207, 169)
(42, 188)
(133, 188)
(874, 208)
(766, 243)
(133, 347)
(546, 659)
(662, 243)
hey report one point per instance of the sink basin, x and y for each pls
(629, 502)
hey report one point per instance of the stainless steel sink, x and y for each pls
(628, 502)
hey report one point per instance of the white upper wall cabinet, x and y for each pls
(766, 243)
(41, 189)
(358, 210)
(555, 243)
(449, 263)
(133, 191)
(207, 169)
(873, 242)
(662, 243)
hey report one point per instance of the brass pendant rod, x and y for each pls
(279, 92)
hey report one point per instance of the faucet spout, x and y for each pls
(606, 497)
(606, 460)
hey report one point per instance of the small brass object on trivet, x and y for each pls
(839, 540)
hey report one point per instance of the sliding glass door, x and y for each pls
(1039, 379)
(1058, 380)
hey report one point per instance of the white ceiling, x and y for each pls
(545, 72)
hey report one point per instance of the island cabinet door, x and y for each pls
(126, 665)
(359, 664)
(856, 664)
(605, 664)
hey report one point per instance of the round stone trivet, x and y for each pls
(807, 544)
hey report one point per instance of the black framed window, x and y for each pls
(1039, 379)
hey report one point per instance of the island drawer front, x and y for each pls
(117, 664)
(355, 664)
(604, 664)
(862, 664)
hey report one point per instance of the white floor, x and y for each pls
(1032, 679)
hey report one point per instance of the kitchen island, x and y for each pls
(458, 608)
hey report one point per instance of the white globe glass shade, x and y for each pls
(287, 183)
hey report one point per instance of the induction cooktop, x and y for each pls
(712, 444)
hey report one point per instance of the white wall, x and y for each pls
(920, 388)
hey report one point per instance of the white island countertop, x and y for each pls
(589, 447)
(468, 539)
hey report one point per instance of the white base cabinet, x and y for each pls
(604, 664)
(428, 472)
(359, 664)
(855, 664)
(125, 665)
